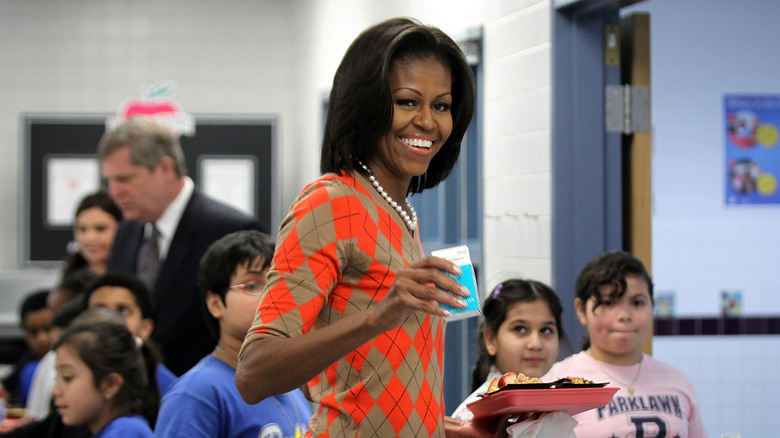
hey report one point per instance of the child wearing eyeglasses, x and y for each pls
(204, 402)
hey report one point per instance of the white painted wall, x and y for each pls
(517, 145)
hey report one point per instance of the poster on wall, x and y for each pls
(68, 180)
(232, 180)
(752, 152)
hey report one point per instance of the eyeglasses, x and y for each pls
(251, 288)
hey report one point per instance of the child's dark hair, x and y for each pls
(34, 301)
(610, 268)
(76, 282)
(65, 315)
(494, 310)
(106, 347)
(221, 260)
(128, 281)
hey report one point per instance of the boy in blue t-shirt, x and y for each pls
(204, 402)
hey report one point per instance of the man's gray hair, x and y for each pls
(149, 140)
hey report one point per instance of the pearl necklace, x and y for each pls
(411, 220)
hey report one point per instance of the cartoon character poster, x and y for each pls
(752, 153)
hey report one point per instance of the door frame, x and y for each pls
(588, 205)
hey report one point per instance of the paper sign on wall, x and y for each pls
(752, 153)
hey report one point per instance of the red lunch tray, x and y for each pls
(569, 400)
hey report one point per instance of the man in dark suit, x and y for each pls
(167, 227)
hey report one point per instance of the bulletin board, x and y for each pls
(232, 158)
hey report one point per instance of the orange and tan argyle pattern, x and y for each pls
(336, 254)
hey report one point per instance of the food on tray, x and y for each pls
(510, 379)
(579, 380)
(14, 412)
(493, 387)
(522, 378)
(506, 379)
(521, 381)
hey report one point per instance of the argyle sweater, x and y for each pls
(337, 253)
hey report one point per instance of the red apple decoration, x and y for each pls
(136, 107)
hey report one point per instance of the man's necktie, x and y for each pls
(149, 258)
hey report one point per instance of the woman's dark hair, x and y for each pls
(221, 259)
(108, 347)
(494, 310)
(360, 107)
(101, 200)
(610, 268)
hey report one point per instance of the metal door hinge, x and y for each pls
(627, 108)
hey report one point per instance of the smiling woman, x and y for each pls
(422, 122)
(348, 299)
(97, 218)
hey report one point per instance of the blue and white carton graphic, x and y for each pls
(460, 256)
